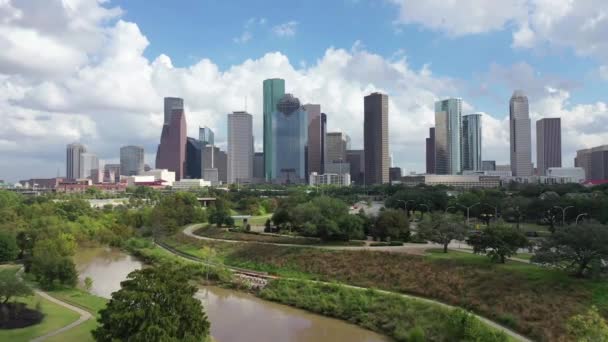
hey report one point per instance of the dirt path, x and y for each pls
(189, 231)
(84, 316)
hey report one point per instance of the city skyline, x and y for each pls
(58, 103)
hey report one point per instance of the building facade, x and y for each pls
(206, 135)
(430, 152)
(488, 165)
(329, 179)
(171, 153)
(72, 160)
(375, 138)
(471, 139)
(448, 136)
(316, 139)
(290, 136)
(273, 91)
(356, 160)
(131, 160)
(88, 163)
(394, 174)
(520, 135)
(170, 104)
(194, 158)
(258, 167)
(548, 144)
(337, 145)
(457, 181)
(240, 148)
(215, 159)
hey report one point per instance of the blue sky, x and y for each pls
(95, 71)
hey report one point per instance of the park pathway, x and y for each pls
(189, 231)
(84, 316)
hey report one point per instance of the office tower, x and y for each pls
(430, 152)
(171, 153)
(194, 158)
(172, 103)
(356, 160)
(315, 138)
(375, 138)
(274, 90)
(215, 161)
(337, 145)
(72, 160)
(521, 141)
(131, 160)
(258, 167)
(471, 142)
(290, 136)
(206, 136)
(489, 165)
(548, 144)
(323, 141)
(594, 161)
(113, 173)
(88, 163)
(448, 136)
(240, 147)
(394, 174)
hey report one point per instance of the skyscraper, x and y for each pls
(315, 138)
(430, 152)
(172, 103)
(194, 158)
(290, 136)
(471, 142)
(206, 136)
(274, 90)
(594, 161)
(258, 167)
(337, 143)
(88, 163)
(171, 153)
(131, 160)
(548, 144)
(72, 160)
(323, 141)
(521, 141)
(375, 138)
(356, 160)
(240, 147)
(448, 136)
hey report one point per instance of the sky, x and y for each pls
(96, 71)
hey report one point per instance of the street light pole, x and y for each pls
(563, 212)
(468, 209)
(405, 205)
(581, 215)
(448, 208)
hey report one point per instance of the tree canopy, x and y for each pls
(498, 242)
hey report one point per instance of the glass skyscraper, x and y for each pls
(471, 139)
(206, 136)
(290, 136)
(520, 134)
(131, 160)
(274, 90)
(448, 136)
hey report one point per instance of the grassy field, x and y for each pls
(533, 300)
(219, 233)
(259, 220)
(55, 317)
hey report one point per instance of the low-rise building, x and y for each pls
(187, 184)
(569, 174)
(329, 179)
(457, 181)
(166, 177)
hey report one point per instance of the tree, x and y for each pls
(588, 327)
(153, 305)
(442, 229)
(52, 262)
(11, 286)
(578, 247)
(391, 223)
(8, 247)
(88, 284)
(498, 242)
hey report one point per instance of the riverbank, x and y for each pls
(534, 301)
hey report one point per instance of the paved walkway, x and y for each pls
(189, 231)
(84, 315)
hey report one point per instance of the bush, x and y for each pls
(8, 247)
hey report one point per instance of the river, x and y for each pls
(234, 316)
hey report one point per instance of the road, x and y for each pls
(189, 231)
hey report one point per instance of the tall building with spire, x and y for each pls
(375, 138)
(520, 135)
(273, 91)
(171, 153)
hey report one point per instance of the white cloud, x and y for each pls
(243, 38)
(287, 29)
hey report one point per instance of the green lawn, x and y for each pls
(56, 316)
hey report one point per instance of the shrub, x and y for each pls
(8, 247)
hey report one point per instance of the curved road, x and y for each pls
(189, 231)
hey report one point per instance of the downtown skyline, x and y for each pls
(113, 111)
